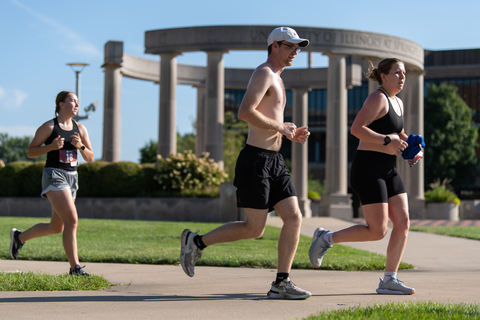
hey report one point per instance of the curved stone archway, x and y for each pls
(211, 81)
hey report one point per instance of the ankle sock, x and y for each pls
(16, 235)
(387, 275)
(328, 237)
(199, 242)
(281, 277)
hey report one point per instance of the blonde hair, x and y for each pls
(61, 97)
(384, 66)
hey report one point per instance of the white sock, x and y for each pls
(387, 275)
(328, 237)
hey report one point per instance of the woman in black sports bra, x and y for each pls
(63, 140)
(379, 127)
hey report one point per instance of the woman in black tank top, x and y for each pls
(62, 139)
(379, 127)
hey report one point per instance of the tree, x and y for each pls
(450, 137)
(234, 136)
(16, 149)
(148, 154)
(185, 142)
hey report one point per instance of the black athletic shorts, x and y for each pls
(261, 178)
(374, 177)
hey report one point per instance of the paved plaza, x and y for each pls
(447, 270)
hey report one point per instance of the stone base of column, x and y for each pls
(228, 203)
(416, 208)
(305, 207)
(336, 206)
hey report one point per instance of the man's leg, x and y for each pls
(192, 244)
(283, 287)
(290, 213)
(252, 227)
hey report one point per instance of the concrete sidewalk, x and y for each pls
(447, 271)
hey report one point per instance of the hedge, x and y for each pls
(11, 184)
(96, 179)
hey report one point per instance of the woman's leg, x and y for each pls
(376, 217)
(43, 229)
(398, 214)
(64, 206)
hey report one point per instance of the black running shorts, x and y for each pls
(374, 177)
(261, 179)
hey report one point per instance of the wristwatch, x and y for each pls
(82, 148)
(387, 140)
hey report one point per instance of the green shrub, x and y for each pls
(31, 179)
(316, 186)
(151, 187)
(182, 176)
(441, 192)
(10, 182)
(186, 175)
(120, 179)
(89, 183)
(314, 196)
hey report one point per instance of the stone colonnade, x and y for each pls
(347, 51)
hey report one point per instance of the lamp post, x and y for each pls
(78, 67)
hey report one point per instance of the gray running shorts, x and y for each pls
(57, 179)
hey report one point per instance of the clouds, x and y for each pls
(11, 99)
(67, 40)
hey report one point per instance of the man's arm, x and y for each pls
(301, 135)
(261, 80)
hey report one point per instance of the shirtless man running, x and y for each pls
(262, 180)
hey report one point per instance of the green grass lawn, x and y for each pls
(410, 310)
(31, 281)
(157, 242)
(470, 232)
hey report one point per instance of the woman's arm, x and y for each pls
(375, 107)
(83, 139)
(37, 147)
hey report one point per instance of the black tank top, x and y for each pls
(391, 122)
(65, 158)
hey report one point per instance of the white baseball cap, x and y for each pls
(286, 34)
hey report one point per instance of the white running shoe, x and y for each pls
(287, 290)
(189, 253)
(319, 247)
(394, 286)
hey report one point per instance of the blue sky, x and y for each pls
(38, 39)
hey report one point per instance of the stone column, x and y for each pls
(336, 201)
(199, 128)
(112, 101)
(167, 133)
(413, 177)
(214, 106)
(300, 151)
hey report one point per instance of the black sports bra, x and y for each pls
(390, 122)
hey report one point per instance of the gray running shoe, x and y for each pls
(15, 243)
(287, 290)
(78, 271)
(189, 253)
(318, 248)
(394, 286)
